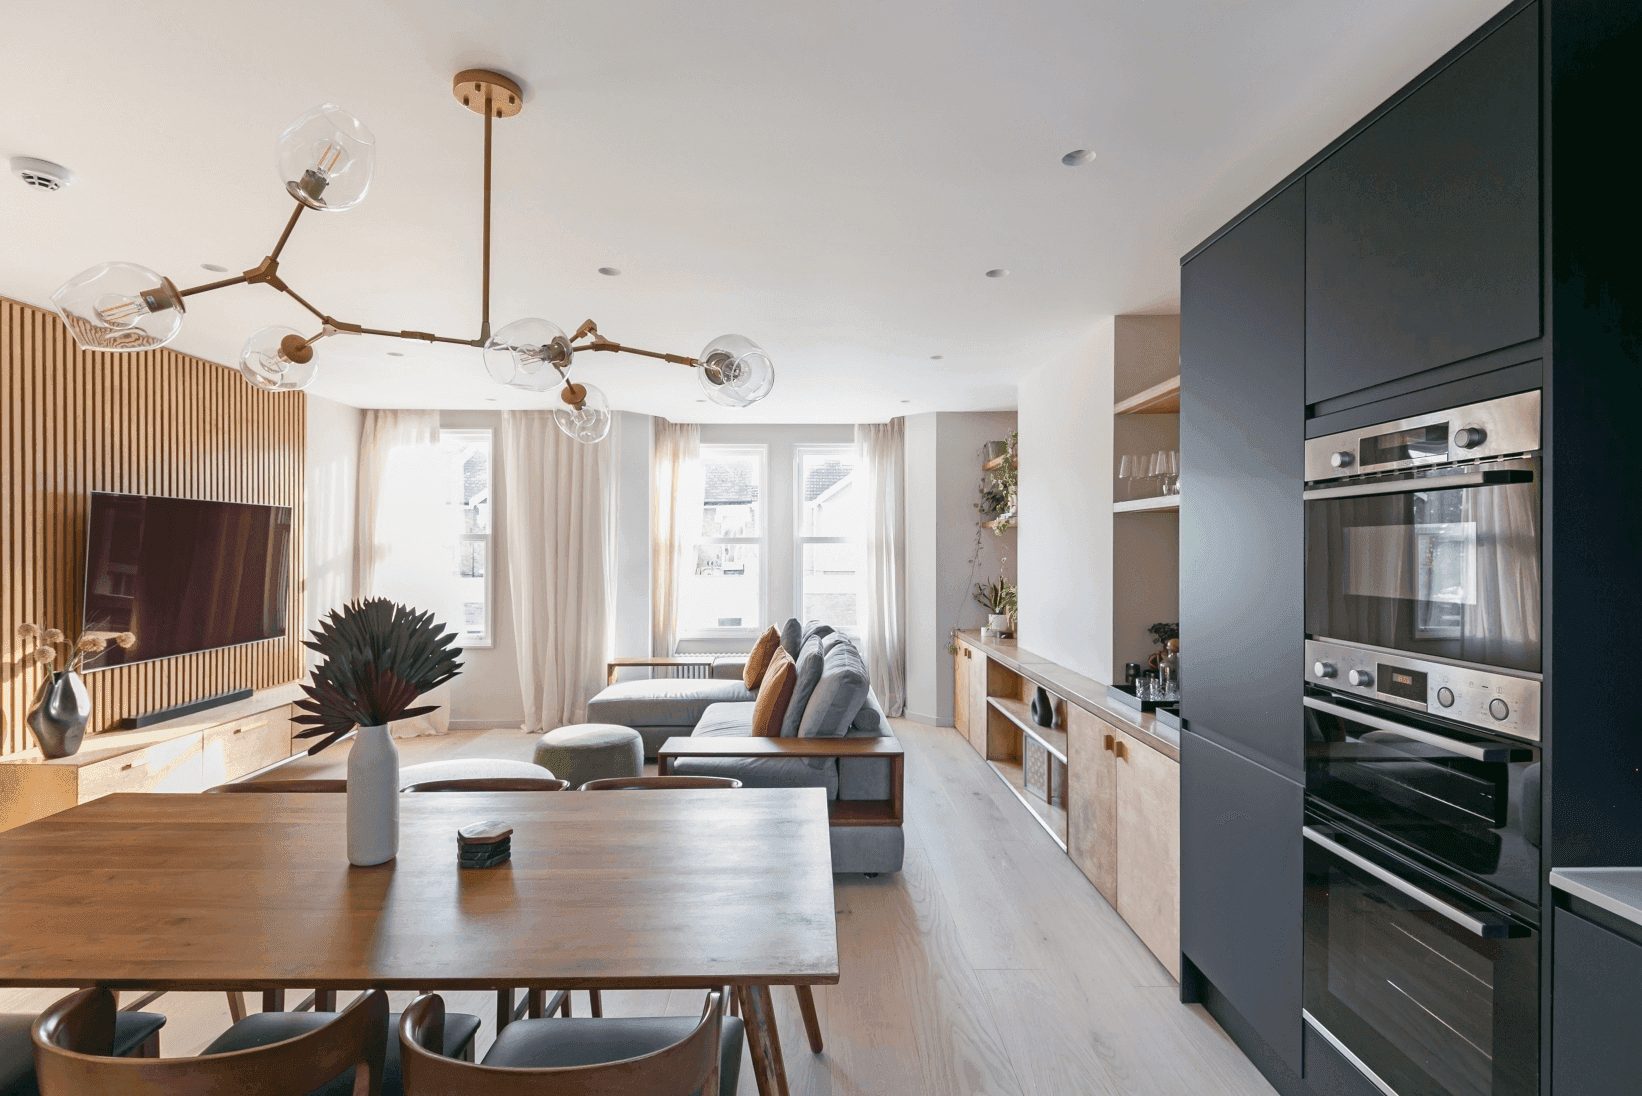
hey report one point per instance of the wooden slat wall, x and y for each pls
(154, 423)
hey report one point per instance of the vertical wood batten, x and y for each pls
(157, 422)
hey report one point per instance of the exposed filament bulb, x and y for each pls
(329, 158)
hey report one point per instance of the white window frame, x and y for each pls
(799, 540)
(762, 541)
(488, 539)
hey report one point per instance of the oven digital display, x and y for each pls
(1423, 441)
(1402, 684)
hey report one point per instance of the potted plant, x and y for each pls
(62, 706)
(379, 657)
(999, 600)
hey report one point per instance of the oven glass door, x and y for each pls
(1449, 572)
(1429, 991)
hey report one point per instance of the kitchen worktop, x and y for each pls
(1617, 890)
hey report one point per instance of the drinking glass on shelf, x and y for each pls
(1171, 476)
(1127, 469)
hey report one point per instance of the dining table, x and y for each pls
(652, 889)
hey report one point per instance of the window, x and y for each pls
(466, 470)
(723, 592)
(827, 546)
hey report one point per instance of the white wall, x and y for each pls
(633, 437)
(1066, 508)
(943, 476)
(329, 490)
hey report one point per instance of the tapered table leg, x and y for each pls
(812, 1022)
(595, 1002)
(504, 1009)
(758, 1013)
(273, 1000)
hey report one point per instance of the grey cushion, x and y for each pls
(813, 628)
(730, 667)
(131, 1031)
(662, 702)
(736, 721)
(838, 695)
(870, 720)
(810, 664)
(591, 751)
(867, 848)
(833, 639)
(791, 633)
(262, 1028)
(584, 1041)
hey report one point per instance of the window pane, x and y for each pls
(828, 505)
(723, 590)
(830, 578)
(472, 563)
(468, 476)
(734, 492)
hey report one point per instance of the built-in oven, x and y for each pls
(1423, 538)
(1425, 988)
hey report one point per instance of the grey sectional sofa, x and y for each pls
(830, 700)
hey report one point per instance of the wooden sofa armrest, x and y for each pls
(843, 812)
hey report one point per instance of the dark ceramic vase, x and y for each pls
(61, 709)
(1043, 709)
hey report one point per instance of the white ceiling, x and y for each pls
(829, 178)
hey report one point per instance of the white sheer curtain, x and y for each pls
(404, 533)
(676, 499)
(880, 463)
(558, 535)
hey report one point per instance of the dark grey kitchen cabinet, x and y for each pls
(1596, 1013)
(1242, 885)
(1423, 231)
(1242, 534)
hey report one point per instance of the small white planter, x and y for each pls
(373, 797)
(998, 622)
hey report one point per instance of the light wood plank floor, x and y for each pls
(989, 965)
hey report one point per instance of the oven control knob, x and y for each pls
(1324, 669)
(1470, 437)
(1342, 459)
(1498, 708)
(1360, 678)
(1445, 697)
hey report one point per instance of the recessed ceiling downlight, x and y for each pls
(41, 174)
(214, 268)
(609, 271)
(395, 354)
(1077, 157)
(936, 357)
(997, 272)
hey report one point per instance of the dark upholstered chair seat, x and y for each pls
(261, 1028)
(131, 1030)
(579, 1041)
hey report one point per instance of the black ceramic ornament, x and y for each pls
(1043, 709)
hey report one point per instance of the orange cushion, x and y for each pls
(759, 660)
(774, 694)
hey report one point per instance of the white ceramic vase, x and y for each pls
(998, 622)
(373, 797)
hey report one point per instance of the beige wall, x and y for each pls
(329, 494)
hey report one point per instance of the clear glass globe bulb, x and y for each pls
(326, 158)
(735, 371)
(120, 307)
(264, 364)
(529, 355)
(588, 423)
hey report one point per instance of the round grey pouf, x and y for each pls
(591, 751)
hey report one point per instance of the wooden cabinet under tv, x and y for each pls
(1103, 779)
(188, 754)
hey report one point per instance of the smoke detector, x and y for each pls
(41, 174)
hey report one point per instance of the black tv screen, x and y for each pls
(184, 575)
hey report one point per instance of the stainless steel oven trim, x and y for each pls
(1483, 478)
(1475, 684)
(1452, 745)
(1345, 1052)
(1511, 424)
(1488, 930)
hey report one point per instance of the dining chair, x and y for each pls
(74, 1037)
(136, 1035)
(639, 1056)
(493, 784)
(641, 783)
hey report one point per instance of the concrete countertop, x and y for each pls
(1617, 890)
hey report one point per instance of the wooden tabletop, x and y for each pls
(644, 889)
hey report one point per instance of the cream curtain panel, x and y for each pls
(880, 462)
(401, 542)
(676, 498)
(558, 538)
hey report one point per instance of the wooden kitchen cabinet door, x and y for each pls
(1091, 799)
(1148, 847)
(961, 661)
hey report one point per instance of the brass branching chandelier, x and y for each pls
(325, 160)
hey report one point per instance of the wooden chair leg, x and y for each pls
(273, 1000)
(735, 1000)
(595, 1001)
(236, 1005)
(564, 1006)
(534, 1000)
(812, 1023)
(324, 1000)
(504, 1008)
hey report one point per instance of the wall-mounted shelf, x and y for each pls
(1151, 505)
(1160, 399)
(993, 524)
(993, 465)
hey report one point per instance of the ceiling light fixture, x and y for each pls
(326, 159)
(997, 272)
(1077, 157)
(609, 271)
(41, 174)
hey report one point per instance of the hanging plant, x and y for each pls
(999, 488)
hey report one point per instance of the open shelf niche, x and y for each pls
(1030, 759)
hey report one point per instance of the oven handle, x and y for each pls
(1496, 929)
(1430, 483)
(1430, 738)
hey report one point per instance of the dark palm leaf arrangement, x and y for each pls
(379, 657)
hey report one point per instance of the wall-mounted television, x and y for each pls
(185, 575)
